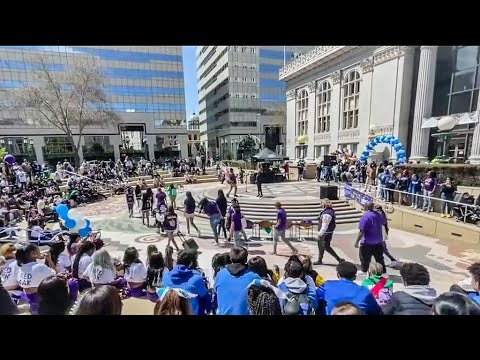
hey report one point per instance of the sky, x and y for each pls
(190, 77)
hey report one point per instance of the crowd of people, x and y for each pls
(86, 280)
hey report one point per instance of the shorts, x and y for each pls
(189, 216)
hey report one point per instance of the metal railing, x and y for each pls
(463, 215)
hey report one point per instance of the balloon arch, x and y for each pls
(385, 139)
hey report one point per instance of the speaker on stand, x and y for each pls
(329, 191)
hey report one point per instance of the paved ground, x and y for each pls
(446, 261)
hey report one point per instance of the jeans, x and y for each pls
(214, 221)
(236, 239)
(415, 198)
(281, 234)
(221, 226)
(427, 201)
(381, 191)
(446, 207)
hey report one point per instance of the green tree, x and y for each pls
(3, 152)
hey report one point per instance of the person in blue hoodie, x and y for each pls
(333, 292)
(415, 189)
(185, 276)
(382, 183)
(231, 284)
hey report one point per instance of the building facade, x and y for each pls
(240, 94)
(144, 85)
(194, 145)
(343, 96)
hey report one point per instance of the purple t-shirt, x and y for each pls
(161, 198)
(281, 219)
(170, 223)
(212, 208)
(430, 183)
(371, 225)
(237, 221)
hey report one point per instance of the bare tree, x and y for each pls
(70, 101)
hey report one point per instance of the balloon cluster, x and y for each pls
(385, 139)
(9, 159)
(74, 220)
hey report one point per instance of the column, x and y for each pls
(475, 153)
(335, 111)
(310, 155)
(290, 140)
(38, 144)
(423, 103)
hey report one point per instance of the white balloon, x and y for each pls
(81, 224)
(446, 123)
(75, 215)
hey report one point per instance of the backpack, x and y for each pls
(296, 304)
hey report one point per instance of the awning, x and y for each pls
(453, 120)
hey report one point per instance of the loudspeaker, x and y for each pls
(329, 192)
(329, 160)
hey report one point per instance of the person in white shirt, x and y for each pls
(135, 272)
(62, 261)
(9, 268)
(22, 179)
(83, 258)
(31, 272)
(101, 270)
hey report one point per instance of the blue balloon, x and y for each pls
(62, 211)
(395, 142)
(398, 147)
(365, 153)
(84, 232)
(401, 153)
(87, 222)
(372, 143)
(378, 139)
(70, 223)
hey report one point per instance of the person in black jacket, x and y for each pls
(447, 193)
(417, 298)
(222, 205)
(258, 180)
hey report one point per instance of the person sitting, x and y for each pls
(101, 270)
(474, 271)
(101, 300)
(7, 305)
(308, 269)
(135, 272)
(305, 277)
(344, 289)
(187, 178)
(195, 177)
(39, 234)
(173, 301)
(155, 270)
(380, 287)
(301, 298)
(263, 301)
(62, 261)
(82, 259)
(417, 297)
(53, 296)
(258, 265)
(231, 283)
(454, 303)
(346, 308)
(31, 273)
(185, 276)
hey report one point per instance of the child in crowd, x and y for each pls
(156, 269)
(135, 272)
(380, 287)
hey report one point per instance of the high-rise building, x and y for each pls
(240, 94)
(144, 85)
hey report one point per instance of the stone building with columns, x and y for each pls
(342, 96)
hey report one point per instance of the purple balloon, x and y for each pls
(9, 159)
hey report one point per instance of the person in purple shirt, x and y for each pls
(370, 237)
(171, 225)
(236, 226)
(213, 212)
(279, 229)
(429, 187)
(161, 200)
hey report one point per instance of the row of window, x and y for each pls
(349, 117)
(213, 65)
(143, 90)
(136, 107)
(107, 54)
(213, 78)
(242, 79)
(245, 66)
(243, 49)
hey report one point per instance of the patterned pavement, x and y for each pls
(446, 261)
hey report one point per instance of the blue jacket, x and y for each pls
(383, 178)
(231, 289)
(192, 281)
(415, 186)
(336, 291)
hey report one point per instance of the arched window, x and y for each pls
(351, 91)
(323, 107)
(302, 113)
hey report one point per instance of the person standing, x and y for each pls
(279, 229)
(448, 189)
(429, 187)
(171, 225)
(326, 227)
(172, 195)
(258, 181)
(232, 180)
(190, 205)
(370, 175)
(222, 205)
(370, 237)
(130, 196)
(403, 185)
(214, 214)
(415, 189)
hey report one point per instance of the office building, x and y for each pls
(144, 85)
(240, 94)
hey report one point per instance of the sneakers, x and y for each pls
(415, 207)
(449, 216)
(443, 216)
(412, 206)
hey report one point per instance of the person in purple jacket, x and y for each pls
(236, 226)
(171, 225)
(213, 212)
(279, 229)
(370, 237)
(429, 186)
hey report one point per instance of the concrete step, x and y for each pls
(262, 212)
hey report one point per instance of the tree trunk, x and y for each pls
(76, 155)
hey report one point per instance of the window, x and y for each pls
(351, 90)
(352, 148)
(323, 107)
(253, 50)
(253, 80)
(321, 151)
(302, 113)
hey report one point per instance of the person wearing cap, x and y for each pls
(326, 227)
(279, 229)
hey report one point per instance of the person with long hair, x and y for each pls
(214, 214)
(169, 262)
(171, 225)
(429, 186)
(138, 196)
(135, 272)
(172, 195)
(61, 260)
(130, 198)
(101, 300)
(263, 301)
(83, 258)
(150, 250)
(173, 301)
(308, 269)
(101, 270)
(53, 296)
(147, 200)
(222, 205)
(31, 273)
(447, 192)
(155, 270)
(190, 206)
(258, 265)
